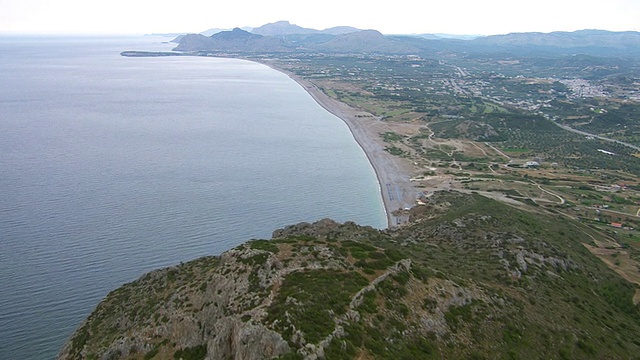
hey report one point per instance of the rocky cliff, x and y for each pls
(467, 278)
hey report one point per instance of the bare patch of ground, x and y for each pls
(619, 261)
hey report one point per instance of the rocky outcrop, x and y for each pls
(235, 339)
(224, 304)
(469, 276)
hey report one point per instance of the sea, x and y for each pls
(114, 166)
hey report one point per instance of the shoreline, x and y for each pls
(393, 173)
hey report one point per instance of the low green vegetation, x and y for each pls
(319, 295)
(470, 277)
(391, 136)
(265, 245)
(191, 353)
(394, 150)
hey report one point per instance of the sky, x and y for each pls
(486, 17)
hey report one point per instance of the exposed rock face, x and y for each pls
(470, 277)
(238, 340)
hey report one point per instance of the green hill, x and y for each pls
(468, 278)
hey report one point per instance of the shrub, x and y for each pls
(197, 352)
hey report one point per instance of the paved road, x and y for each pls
(597, 136)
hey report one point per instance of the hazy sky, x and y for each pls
(390, 17)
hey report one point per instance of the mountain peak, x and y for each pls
(280, 28)
(340, 30)
(235, 34)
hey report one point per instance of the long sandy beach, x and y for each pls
(393, 172)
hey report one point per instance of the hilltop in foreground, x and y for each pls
(468, 277)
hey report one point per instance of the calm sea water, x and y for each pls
(111, 167)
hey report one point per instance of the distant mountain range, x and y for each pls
(286, 28)
(212, 31)
(282, 36)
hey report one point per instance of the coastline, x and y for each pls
(393, 173)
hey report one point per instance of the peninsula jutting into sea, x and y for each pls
(509, 171)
